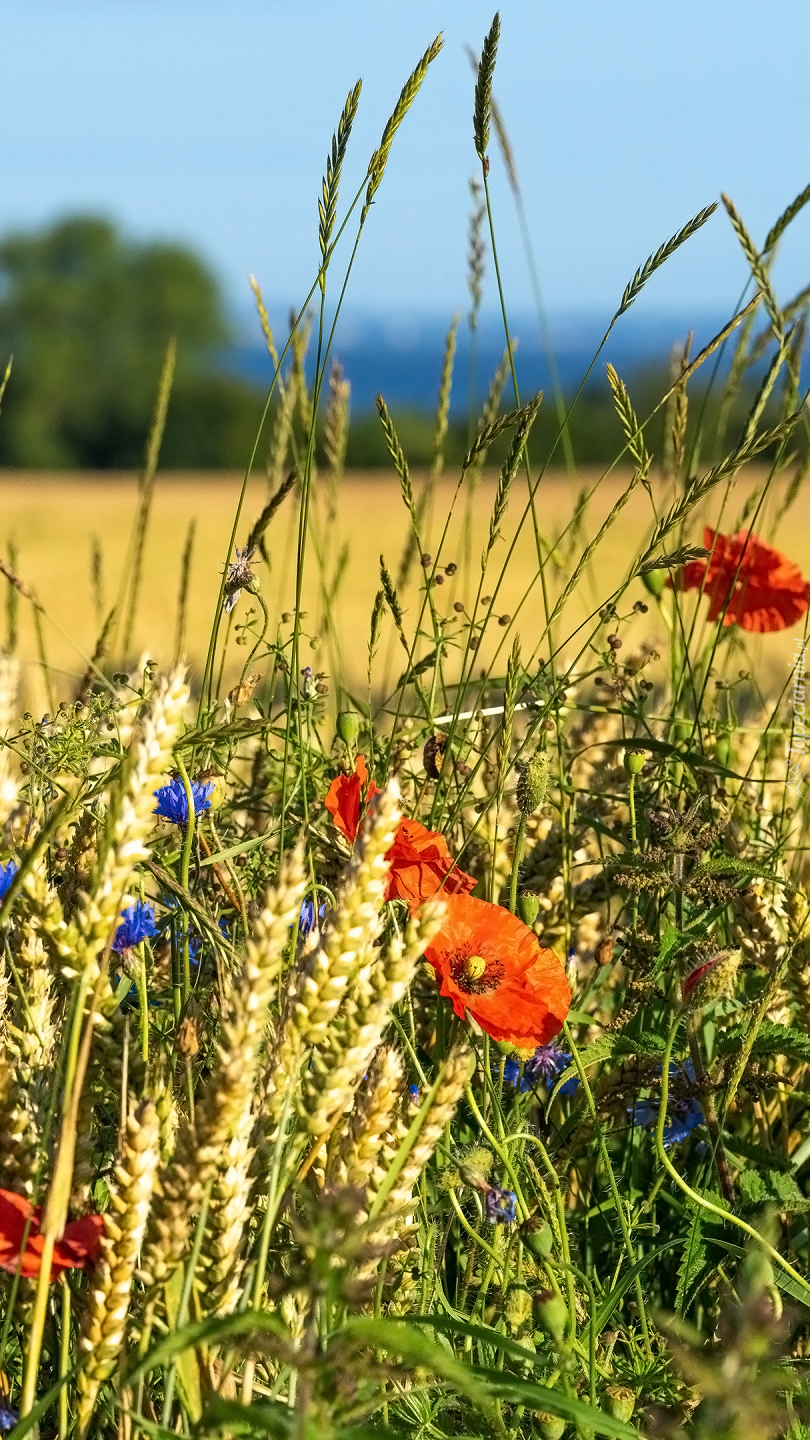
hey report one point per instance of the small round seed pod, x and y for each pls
(634, 761)
(620, 1402)
(552, 1315)
(614, 641)
(528, 907)
(548, 1426)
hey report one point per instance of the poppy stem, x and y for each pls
(517, 860)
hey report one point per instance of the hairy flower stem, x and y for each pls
(691, 1194)
(517, 860)
(614, 1189)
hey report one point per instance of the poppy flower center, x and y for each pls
(474, 974)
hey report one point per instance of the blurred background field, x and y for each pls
(54, 522)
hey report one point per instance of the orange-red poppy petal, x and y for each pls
(347, 795)
(492, 965)
(748, 583)
(421, 865)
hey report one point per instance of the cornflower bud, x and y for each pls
(537, 1236)
(533, 783)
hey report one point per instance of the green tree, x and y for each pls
(86, 315)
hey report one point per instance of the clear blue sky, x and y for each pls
(209, 121)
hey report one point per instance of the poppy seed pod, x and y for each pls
(528, 907)
(533, 783)
(634, 761)
(537, 1236)
(620, 1402)
(347, 726)
(549, 1427)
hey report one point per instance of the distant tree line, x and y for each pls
(86, 314)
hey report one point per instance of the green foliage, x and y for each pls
(87, 315)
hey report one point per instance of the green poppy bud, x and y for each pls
(533, 783)
(654, 581)
(552, 1315)
(475, 1167)
(348, 727)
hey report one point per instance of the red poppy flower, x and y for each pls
(421, 865)
(420, 861)
(764, 590)
(493, 965)
(78, 1247)
(344, 796)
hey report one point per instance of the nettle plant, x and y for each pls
(435, 1063)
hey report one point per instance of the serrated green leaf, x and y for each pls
(771, 1039)
(694, 1258)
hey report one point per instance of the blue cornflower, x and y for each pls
(7, 873)
(413, 1091)
(684, 1114)
(500, 1205)
(547, 1062)
(172, 804)
(307, 920)
(239, 578)
(138, 924)
(8, 1416)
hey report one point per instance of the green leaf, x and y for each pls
(605, 1048)
(693, 1261)
(771, 1039)
(629, 1278)
(188, 1371)
(402, 1339)
(447, 1324)
(540, 1397)
(208, 1332)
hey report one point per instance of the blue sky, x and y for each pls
(209, 121)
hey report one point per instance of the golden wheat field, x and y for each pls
(51, 523)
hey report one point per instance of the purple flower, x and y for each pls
(684, 1114)
(138, 924)
(239, 578)
(172, 804)
(500, 1205)
(547, 1062)
(307, 919)
(7, 873)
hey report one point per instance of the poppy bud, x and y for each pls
(549, 1427)
(723, 751)
(603, 953)
(528, 907)
(517, 1311)
(634, 761)
(654, 581)
(533, 783)
(620, 1402)
(714, 980)
(347, 726)
(552, 1315)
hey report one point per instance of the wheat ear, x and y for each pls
(103, 1330)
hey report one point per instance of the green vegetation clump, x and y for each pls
(429, 1057)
